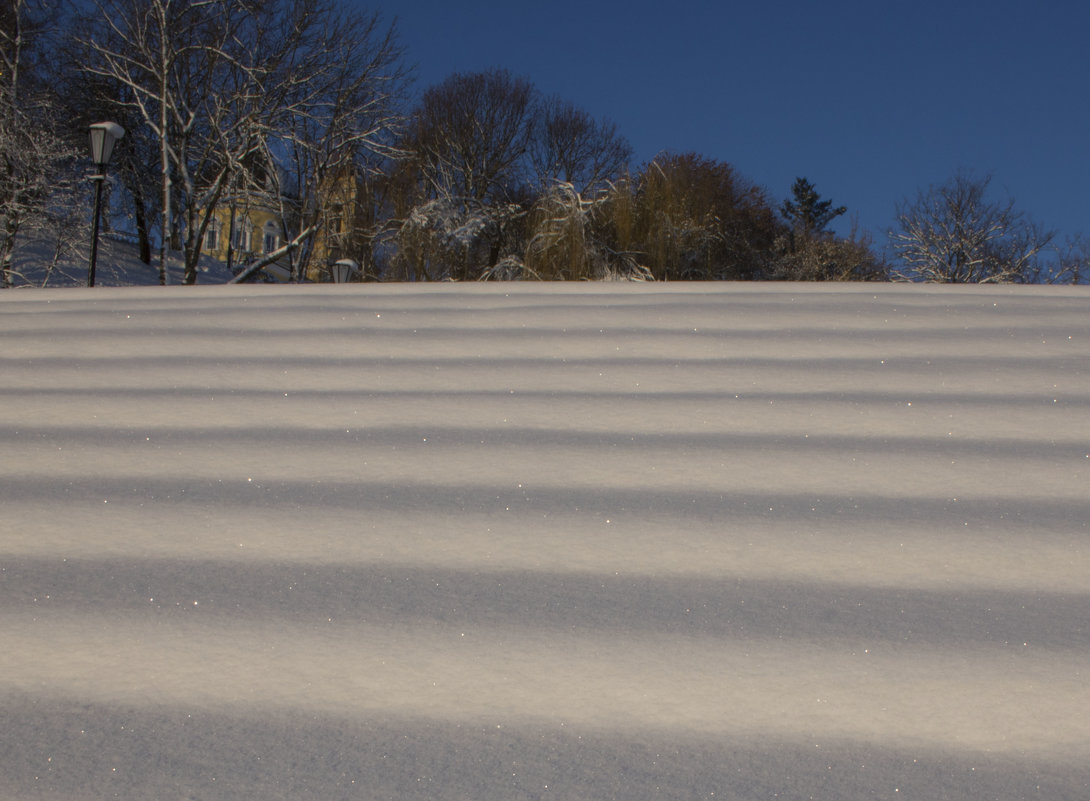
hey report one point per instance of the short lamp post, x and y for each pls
(344, 271)
(103, 137)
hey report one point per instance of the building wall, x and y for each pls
(257, 228)
(257, 231)
(340, 235)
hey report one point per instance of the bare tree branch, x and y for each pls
(953, 234)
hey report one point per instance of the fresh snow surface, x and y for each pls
(581, 541)
(118, 264)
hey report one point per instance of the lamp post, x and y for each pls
(344, 270)
(103, 137)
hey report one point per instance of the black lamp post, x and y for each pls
(344, 270)
(103, 136)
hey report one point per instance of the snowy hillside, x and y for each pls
(530, 541)
(44, 263)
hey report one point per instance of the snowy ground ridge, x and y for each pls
(545, 541)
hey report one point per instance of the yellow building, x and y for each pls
(345, 219)
(246, 228)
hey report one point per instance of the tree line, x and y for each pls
(307, 104)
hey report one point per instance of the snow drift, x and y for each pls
(545, 541)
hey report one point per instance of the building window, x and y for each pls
(212, 236)
(336, 219)
(243, 235)
(272, 241)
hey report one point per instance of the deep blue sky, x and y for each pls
(870, 100)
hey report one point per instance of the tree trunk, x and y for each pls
(142, 232)
(164, 148)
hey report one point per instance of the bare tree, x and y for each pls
(33, 158)
(827, 257)
(571, 147)
(574, 238)
(953, 234)
(163, 56)
(339, 115)
(463, 178)
(561, 243)
(457, 240)
(697, 219)
(1072, 262)
(228, 87)
(470, 134)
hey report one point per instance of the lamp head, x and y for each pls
(103, 136)
(344, 270)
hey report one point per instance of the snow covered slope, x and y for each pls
(545, 541)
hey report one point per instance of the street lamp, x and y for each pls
(103, 136)
(344, 271)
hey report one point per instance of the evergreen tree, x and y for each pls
(808, 214)
(811, 252)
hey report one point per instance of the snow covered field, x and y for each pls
(528, 541)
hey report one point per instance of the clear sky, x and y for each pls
(868, 99)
